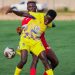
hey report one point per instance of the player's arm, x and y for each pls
(20, 13)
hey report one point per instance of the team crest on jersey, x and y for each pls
(36, 29)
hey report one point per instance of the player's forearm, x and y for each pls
(18, 13)
(23, 14)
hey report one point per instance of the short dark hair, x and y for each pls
(31, 2)
(52, 13)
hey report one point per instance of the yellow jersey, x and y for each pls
(40, 17)
(35, 27)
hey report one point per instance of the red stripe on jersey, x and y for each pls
(25, 21)
(45, 44)
(43, 40)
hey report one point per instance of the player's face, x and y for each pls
(47, 19)
(31, 7)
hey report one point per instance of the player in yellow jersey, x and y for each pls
(34, 13)
(49, 52)
(30, 41)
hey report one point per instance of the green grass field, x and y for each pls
(61, 38)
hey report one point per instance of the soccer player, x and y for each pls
(50, 54)
(30, 41)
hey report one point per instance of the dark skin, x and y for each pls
(32, 7)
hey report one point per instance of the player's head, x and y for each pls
(31, 5)
(50, 16)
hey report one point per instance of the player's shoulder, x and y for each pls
(32, 13)
(37, 13)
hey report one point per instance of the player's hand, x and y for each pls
(9, 10)
(19, 30)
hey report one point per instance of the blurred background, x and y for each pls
(63, 7)
(61, 38)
